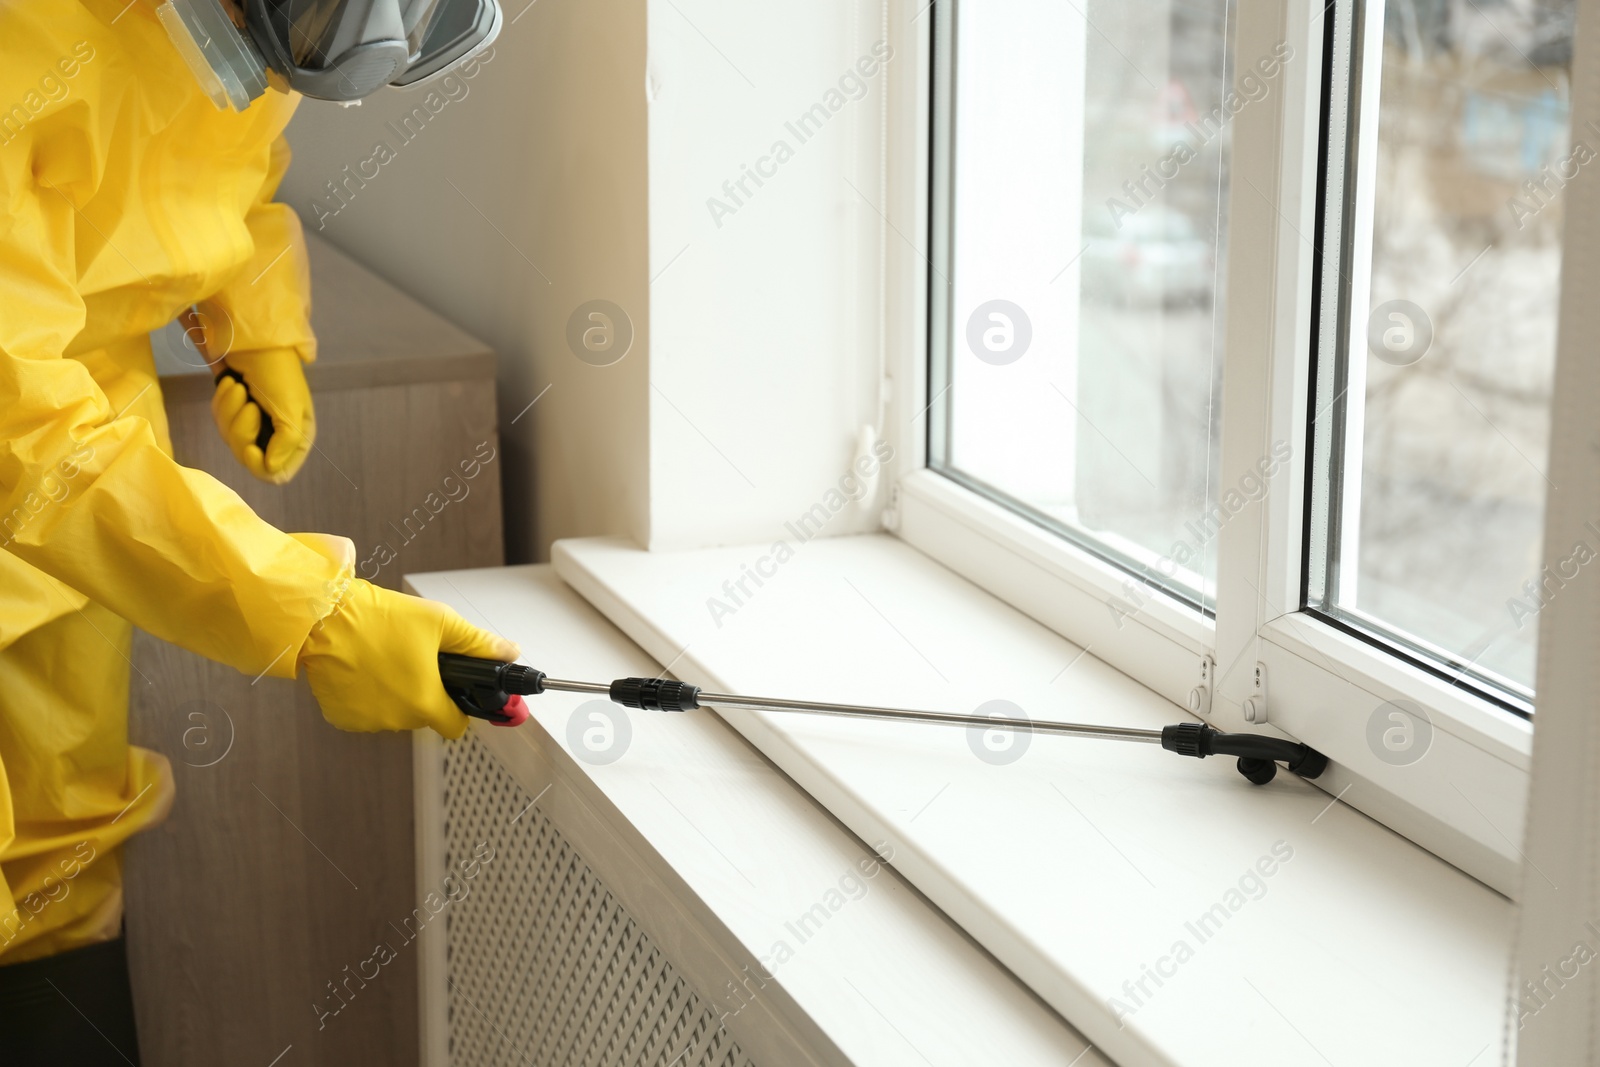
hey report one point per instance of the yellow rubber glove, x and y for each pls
(274, 379)
(373, 664)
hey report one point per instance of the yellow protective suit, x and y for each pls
(126, 196)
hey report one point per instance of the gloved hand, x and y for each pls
(373, 664)
(273, 379)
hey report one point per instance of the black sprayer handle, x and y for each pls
(489, 689)
(264, 434)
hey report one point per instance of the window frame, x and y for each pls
(1465, 799)
(1165, 642)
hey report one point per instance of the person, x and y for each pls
(140, 148)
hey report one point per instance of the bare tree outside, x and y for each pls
(1474, 148)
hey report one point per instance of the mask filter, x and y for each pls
(339, 50)
(225, 63)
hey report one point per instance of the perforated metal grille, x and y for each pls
(545, 967)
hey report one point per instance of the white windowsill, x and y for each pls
(721, 860)
(1080, 864)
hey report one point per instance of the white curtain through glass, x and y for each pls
(1088, 221)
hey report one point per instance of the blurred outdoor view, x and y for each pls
(1090, 187)
(1451, 489)
(1089, 224)
(1156, 226)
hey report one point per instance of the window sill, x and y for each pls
(1081, 597)
(1083, 865)
(724, 863)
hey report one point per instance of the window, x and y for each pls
(1240, 335)
(1436, 349)
(1080, 232)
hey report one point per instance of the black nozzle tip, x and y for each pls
(1257, 771)
(1259, 755)
(1310, 763)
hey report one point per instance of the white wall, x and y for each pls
(590, 167)
(779, 299)
(547, 141)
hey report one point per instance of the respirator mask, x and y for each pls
(339, 50)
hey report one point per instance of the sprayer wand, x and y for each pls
(493, 691)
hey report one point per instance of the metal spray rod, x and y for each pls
(492, 690)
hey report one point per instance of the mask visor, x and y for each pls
(450, 31)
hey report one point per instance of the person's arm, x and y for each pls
(88, 497)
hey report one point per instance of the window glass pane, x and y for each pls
(1081, 173)
(1432, 431)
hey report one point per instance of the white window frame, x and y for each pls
(1465, 799)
